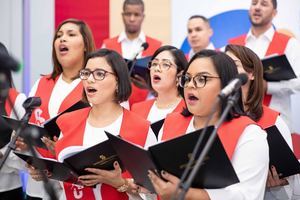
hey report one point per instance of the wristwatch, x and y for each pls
(124, 187)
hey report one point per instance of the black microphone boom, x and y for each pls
(143, 47)
(233, 85)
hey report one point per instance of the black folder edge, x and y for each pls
(14, 124)
(60, 171)
(143, 180)
(5, 133)
(281, 154)
(283, 65)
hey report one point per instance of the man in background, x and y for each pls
(129, 43)
(199, 34)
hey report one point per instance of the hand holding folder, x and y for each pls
(281, 155)
(277, 68)
(173, 156)
(100, 156)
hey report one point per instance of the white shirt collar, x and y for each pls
(123, 37)
(210, 46)
(268, 34)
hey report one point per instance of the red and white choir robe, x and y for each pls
(143, 108)
(137, 94)
(240, 136)
(133, 129)
(9, 174)
(44, 90)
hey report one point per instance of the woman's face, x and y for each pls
(69, 46)
(104, 89)
(163, 72)
(200, 100)
(241, 69)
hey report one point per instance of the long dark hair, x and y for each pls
(251, 64)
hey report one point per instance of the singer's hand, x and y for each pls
(35, 173)
(50, 144)
(109, 177)
(165, 189)
(139, 82)
(274, 180)
(21, 145)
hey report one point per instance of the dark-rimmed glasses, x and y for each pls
(98, 74)
(199, 80)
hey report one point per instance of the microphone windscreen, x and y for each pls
(145, 45)
(8, 63)
(243, 77)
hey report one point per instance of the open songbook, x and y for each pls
(48, 129)
(75, 160)
(277, 68)
(281, 155)
(172, 156)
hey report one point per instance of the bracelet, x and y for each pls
(124, 187)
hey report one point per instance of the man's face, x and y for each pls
(261, 12)
(133, 17)
(199, 33)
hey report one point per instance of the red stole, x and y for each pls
(143, 108)
(44, 91)
(176, 124)
(13, 94)
(133, 128)
(276, 46)
(113, 44)
(268, 118)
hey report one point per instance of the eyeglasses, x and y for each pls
(98, 74)
(199, 80)
(163, 65)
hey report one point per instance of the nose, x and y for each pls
(62, 38)
(190, 84)
(91, 78)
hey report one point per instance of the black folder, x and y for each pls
(156, 126)
(28, 129)
(281, 155)
(277, 68)
(173, 156)
(5, 133)
(140, 67)
(100, 156)
(48, 129)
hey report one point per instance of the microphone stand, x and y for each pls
(33, 134)
(12, 145)
(184, 186)
(132, 64)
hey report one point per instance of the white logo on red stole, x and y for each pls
(39, 120)
(77, 191)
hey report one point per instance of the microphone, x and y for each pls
(32, 103)
(8, 63)
(143, 47)
(233, 85)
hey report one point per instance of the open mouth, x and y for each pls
(192, 97)
(156, 78)
(63, 48)
(91, 90)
